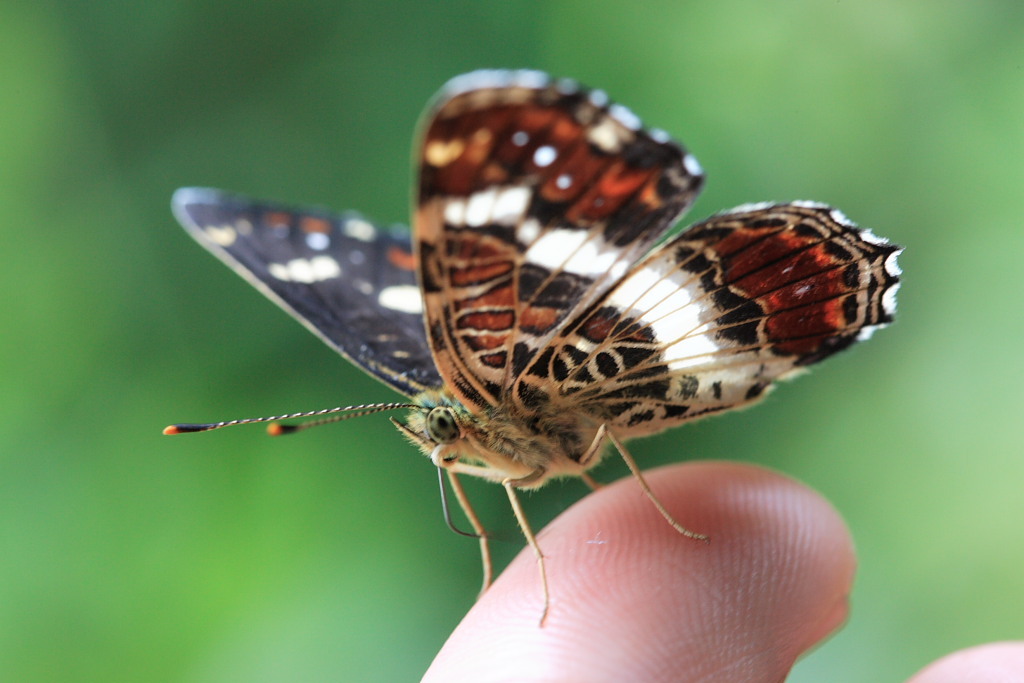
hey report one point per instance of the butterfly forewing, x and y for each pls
(710, 319)
(535, 196)
(351, 282)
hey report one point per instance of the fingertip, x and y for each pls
(631, 595)
(992, 663)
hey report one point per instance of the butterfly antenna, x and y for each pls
(275, 429)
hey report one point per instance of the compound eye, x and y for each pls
(441, 425)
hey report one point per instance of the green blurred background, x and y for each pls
(127, 556)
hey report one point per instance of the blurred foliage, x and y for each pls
(125, 556)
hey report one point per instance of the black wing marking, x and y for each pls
(349, 281)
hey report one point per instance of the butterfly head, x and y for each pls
(495, 445)
(439, 425)
(442, 425)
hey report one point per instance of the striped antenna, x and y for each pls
(275, 429)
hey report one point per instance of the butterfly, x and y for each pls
(532, 318)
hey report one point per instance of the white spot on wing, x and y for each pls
(551, 249)
(300, 270)
(691, 165)
(574, 251)
(872, 238)
(544, 155)
(520, 138)
(747, 208)
(307, 272)
(659, 136)
(504, 206)
(479, 207)
(691, 351)
(455, 212)
(625, 116)
(810, 204)
(224, 236)
(889, 299)
(563, 181)
(317, 241)
(606, 135)
(617, 270)
(495, 78)
(359, 229)
(527, 231)
(891, 265)
(867, 331)
(404, 298)
(511, 205)
(589, 261)
(324, 268)
(279, 271)
(671, 309)
(633, 288)
(673, 313)
(474, 80)
(840, 217)
(530, 78)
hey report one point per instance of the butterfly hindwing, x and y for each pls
(535, 196)
(710, 319)
(351, 282)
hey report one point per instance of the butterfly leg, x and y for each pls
(650, 494)
(467, 509)
(588, 455)
(510, 488)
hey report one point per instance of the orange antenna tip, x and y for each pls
(185, 429)
(278, 429)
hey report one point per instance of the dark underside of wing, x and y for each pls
(351, 282)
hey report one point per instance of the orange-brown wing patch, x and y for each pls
(535, 196)
(709, 320)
